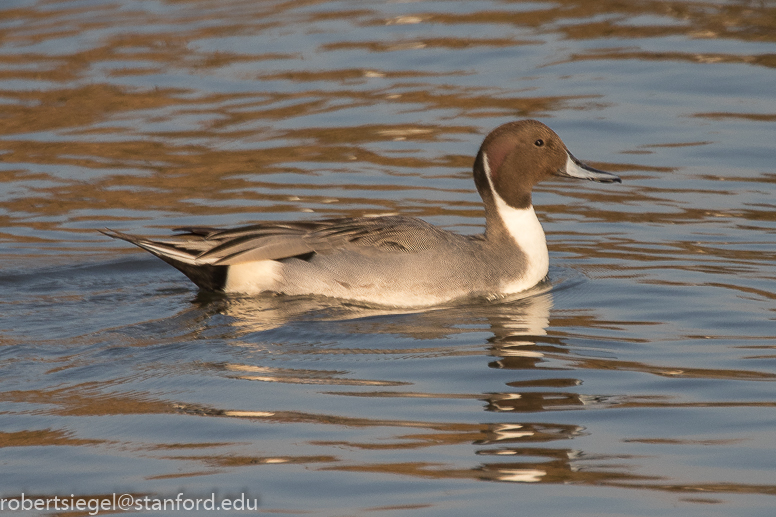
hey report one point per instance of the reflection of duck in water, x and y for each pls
(513, 320)
(523, 450)
(391, 260)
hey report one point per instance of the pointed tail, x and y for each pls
(204, 275)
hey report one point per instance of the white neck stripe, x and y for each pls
(527, 233)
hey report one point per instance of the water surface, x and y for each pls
(638, 380)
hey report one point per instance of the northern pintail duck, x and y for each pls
(394, 260)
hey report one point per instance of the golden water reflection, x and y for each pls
(91, 144)
(505, 441)
(523, 451)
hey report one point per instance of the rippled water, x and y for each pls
(638, 381)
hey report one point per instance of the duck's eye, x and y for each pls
(539, 143)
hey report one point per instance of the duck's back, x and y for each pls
(388, 260)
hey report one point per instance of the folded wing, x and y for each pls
(203, 253)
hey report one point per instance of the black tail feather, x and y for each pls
(205, 276)
(210, 278)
